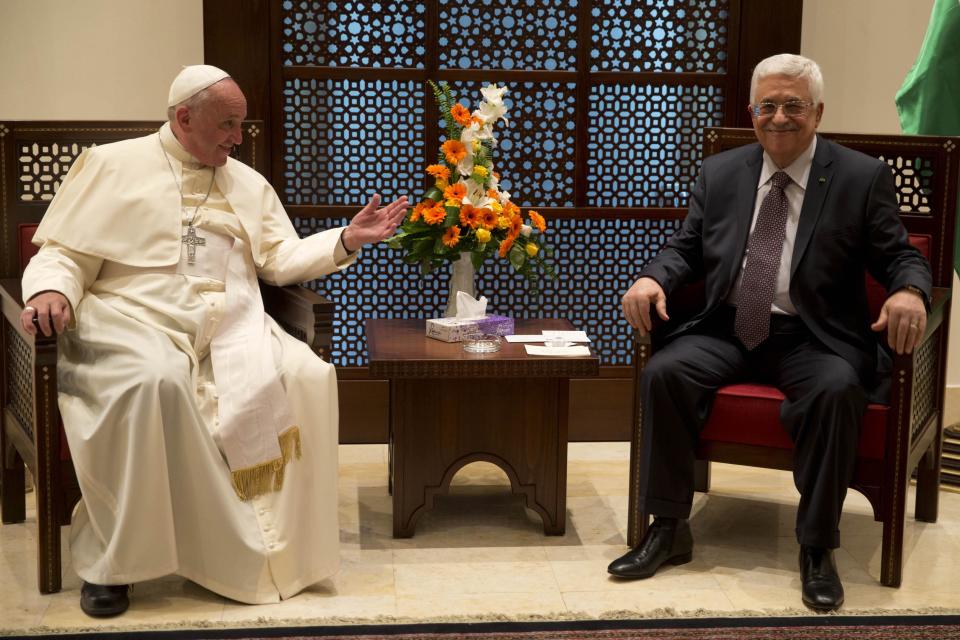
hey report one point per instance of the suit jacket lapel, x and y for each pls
(818, 183)
(743, 208)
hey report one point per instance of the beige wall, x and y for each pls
(113, 59)
(94, 59)
(865, 48)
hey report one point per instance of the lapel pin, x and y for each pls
(822, 180)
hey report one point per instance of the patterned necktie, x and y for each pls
(759, 282)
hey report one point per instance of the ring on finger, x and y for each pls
(32, 310)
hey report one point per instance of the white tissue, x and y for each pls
(469, 308)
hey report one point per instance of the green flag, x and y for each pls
(929, 100)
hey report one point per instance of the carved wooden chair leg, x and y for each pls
(928, 485)
(13, 502)
(891, 561)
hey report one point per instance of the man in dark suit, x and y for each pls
(780, 232)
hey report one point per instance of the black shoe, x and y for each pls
(822, 590)
(99, 600)
(668, 540)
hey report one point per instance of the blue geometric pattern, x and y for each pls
(344, 139)
(660, 35)
(352, 33)
(597, 259)
(647, 154)
(534, 153)
(493, 34)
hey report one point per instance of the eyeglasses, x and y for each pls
(791, 109)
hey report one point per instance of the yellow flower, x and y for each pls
(496, 206)
(483, 236)
(503, 222)
(476, 145)
(532, 249)
(480, 171)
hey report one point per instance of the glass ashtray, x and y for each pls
(482, 343)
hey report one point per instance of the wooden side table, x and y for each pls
(449, 408)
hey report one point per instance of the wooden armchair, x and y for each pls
(897, 438)
(34, 156)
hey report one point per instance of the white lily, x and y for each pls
(493, 94)
(526, 230)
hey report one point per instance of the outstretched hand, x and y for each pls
(371, 224)
(52, 311)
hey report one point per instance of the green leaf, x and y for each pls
(517, 257)
(453, 216)
(433, 194)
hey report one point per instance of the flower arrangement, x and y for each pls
(465, 210)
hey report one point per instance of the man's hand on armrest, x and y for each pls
(52, 311)
(637, 300)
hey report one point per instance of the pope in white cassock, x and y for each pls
(203, 436)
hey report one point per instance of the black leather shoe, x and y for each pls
(668, 540)
(822, 590)
(99, 600)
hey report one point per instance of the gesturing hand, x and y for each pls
(52, 311)
(371, 224)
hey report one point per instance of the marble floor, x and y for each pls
(481, 553)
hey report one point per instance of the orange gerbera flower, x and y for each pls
(435, 214)
(455, 192)
(452, 236)
(493, 193)
(510, 209)
(439, 172)
(515, 223)
(538, 221)
(460, 114)
(488, 218)
(505, 245)
(454, 151)
(420, 208)
(469, 216)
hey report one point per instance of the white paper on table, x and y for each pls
(570, 336)
(537, 350)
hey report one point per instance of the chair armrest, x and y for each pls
(939, 302)
(11, 296)
(303, 313)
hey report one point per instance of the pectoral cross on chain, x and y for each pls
(192, 240)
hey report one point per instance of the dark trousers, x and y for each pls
(822, 413)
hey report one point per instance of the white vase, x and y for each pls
(461, 279)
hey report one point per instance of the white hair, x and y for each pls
(193, 103)
(789, 64)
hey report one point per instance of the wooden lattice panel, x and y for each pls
(644, 142)
(352, 33)
(41, 166)
(666, 35)
(914, 180)
(19, 381)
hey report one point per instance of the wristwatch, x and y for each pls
(916, 290)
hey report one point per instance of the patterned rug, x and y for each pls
(938, 627)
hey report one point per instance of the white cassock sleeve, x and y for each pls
(57, 268)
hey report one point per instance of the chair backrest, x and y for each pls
(36, 155)
(926, 170)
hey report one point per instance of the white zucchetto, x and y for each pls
(192, 80)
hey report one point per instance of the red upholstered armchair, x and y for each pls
(35, 156)
(897, 438)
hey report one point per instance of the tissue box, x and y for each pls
(456, 329)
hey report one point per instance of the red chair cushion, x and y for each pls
(27, 248)
(762, 404)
